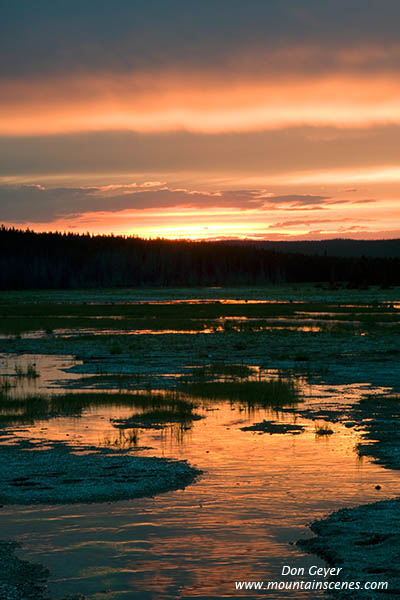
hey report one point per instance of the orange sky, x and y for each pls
(287, 130)
(201, 103)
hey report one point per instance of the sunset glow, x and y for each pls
(203, 105)
(180, 141)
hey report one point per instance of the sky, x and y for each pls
(188, 119)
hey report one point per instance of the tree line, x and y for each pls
(30, 260)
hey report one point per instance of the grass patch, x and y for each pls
(23, 410)
(323, 430)
(28, 409)
(5, 385)
(153, 408)
(124, 441)
(30, 371)
(17, 318)
(273, 393)
(181, 413)
(49, 317)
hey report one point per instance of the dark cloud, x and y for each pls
(53, 36)
(297, 200)
(364, 201)
(34, 203)
(309, 222)
(127, 152)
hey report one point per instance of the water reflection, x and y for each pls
(257, 493)
(212, 326)
(49, 369)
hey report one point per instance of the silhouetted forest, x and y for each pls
(31, 260)
(338, 247)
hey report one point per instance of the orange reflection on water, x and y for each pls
(257, 493)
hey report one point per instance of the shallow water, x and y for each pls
(237, 522)
(257, 493)
(281, 293)
(50, 370)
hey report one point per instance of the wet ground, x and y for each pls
(259, 490)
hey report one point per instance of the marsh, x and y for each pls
(222, 371)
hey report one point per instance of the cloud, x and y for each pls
(36, 203)
(308, 222)
(200, 102)
(295, 200)
(52, 37)
(364, 201)
(159, 156)
(197, 66)
(300, 98)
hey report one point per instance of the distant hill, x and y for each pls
(338, 247)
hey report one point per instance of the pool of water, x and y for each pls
(49, 371)
(238, 521)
